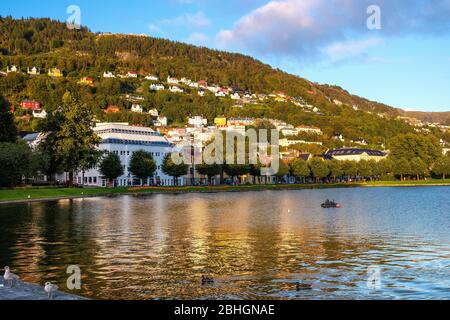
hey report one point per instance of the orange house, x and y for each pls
(87, 81)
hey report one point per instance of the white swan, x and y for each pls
(50, 289)
(10, 278)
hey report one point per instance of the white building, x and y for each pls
(172, 80)
(154, 112)
(132, 75)
(288, 143)
(309, 129)
(13, 68)
(123, 140)
(235, 96)
(156, 87)
(176, 89)
(137, 108)
(108, 74)
(33, 71)
(41, 114)
(160, 122)
(197, 121)
(151, 78)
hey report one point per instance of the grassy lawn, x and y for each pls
(44, 193)
(24, 194)
(410, 183)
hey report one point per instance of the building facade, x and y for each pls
(123, 140)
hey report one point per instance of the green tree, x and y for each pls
(174, 170)
(236, 170)
(142, 165)
(386, 166)
(71, 141)
(335, 167)
(319, 168)
(418, 167)
(210, 170)
(111, 167)
(283, 170)
(16, 160)
(442, 167)
(8, 130)
(411, 145)
(350, 169)
(300, 169)
(365, 169)
(402, 168)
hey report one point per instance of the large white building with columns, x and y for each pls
(123, 140)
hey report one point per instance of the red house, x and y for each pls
(30, 105)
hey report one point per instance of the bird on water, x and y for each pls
(207, 280)
(302, 286)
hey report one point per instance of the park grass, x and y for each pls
(431, 182)
(46, 193)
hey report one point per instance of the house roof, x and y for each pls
(352, 151)
(305, 156)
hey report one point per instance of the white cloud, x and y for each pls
(198, 38)
(308, 28)
(352, 48)
(195, 20)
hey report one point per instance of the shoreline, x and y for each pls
(142, 191)
(33, 292)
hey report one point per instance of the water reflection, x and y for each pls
(257, 245)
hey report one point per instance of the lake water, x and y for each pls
(256, 245)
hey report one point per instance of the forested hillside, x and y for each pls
(46, 44)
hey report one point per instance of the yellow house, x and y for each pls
(87, 81)
(54, 72)
(220, 121)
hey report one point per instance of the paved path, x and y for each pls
(27, 291)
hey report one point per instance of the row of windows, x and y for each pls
(145, 133)
(138, 142)
(88, 180)
(127, 153)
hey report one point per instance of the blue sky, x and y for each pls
(405, 63)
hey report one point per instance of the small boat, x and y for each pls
(331, 204)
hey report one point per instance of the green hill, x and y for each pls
(45, 44)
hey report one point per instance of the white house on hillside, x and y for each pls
(151, 78)
(33, 71)
(172, 80)
(108, 74)
(156, 87)
(137, 108)
(175, 89)
(198, 121)
(13, 68)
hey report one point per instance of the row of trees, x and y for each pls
(142, 166)
(319, 170)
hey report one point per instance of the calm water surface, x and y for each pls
(256, 244)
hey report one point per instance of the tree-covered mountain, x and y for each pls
(45, 44)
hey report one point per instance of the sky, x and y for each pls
(392, 51)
